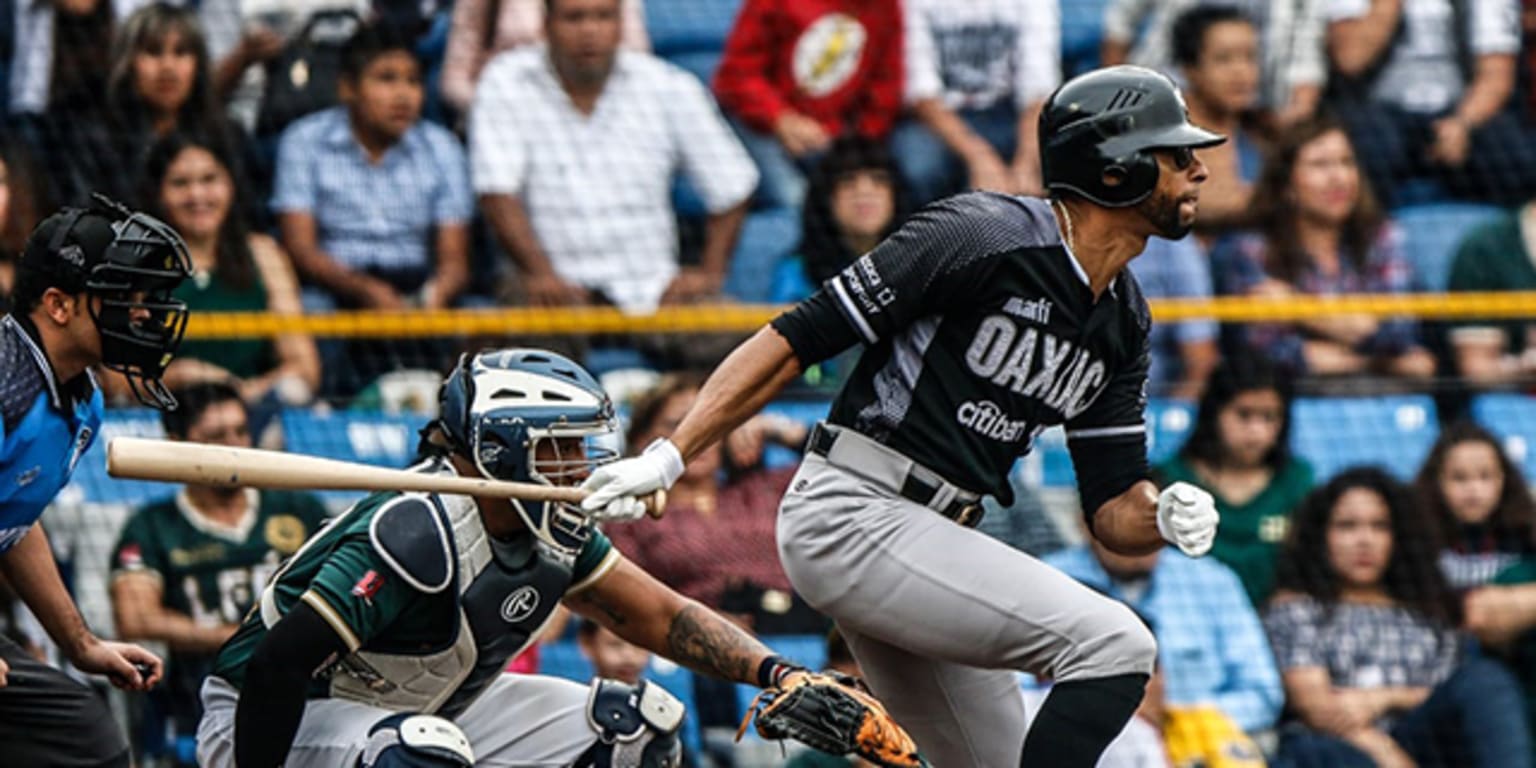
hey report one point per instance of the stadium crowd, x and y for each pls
(323, 155)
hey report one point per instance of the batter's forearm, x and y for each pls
(1128, 523)
(33, 574)
(750, 377)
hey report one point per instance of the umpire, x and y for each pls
(985, 319)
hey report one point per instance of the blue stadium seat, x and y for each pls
(1082, 28)
(806, 412)
(766, 238)
(91, 476)
(701, 64)
(681, 26)
(1433, 232)
(790, 283)
(1513, 418)
(1334, 433)
(1168, 424)
(362, 436)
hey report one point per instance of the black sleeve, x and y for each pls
(1109, 440)
(276, 681)
(922, 264)
(816, 329)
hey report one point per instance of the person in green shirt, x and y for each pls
(186, 569)
(1497, 256)
(1238, 451)
(382, 641)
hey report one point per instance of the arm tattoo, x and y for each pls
(704, 641)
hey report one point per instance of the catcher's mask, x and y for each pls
(130, 263)
(529, 415)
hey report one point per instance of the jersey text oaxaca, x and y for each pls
(976, 314)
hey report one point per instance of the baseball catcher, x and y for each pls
(382, 641)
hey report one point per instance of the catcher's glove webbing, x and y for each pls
(834, 714)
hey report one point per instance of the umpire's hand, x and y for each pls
(128, 666)
(1187, 518)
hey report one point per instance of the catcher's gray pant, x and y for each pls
(520, 720)
(938, 615)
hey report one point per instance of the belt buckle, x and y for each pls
(969, 515)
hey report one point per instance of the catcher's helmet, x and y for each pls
(498, 405)
(132, 262)
(1104, 123)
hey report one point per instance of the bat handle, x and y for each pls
(656, 504)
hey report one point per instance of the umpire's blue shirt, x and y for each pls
(45, 428)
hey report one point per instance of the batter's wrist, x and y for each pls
(668, 459)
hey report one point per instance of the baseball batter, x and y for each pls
(381, 642)
(986, 318)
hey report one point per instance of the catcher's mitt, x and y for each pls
(835, 714)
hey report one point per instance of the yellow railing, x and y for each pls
(743, 318)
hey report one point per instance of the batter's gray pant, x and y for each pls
(520, 720)
(940, 616)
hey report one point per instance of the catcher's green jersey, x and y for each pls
(376, 610)
(211, 572)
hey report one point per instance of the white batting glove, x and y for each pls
(1187, 518)
(613, 489)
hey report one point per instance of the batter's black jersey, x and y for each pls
(982, 331)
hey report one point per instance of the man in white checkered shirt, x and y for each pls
(573, 147)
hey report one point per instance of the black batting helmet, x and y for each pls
(1105, 124)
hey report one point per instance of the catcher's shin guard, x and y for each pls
(636, 726)
(416, 741)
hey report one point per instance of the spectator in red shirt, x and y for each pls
(799, 73)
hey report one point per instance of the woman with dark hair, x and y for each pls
(1320, 232)
(853, 202)
(188, 184)
(159, 80)
(1479, 498)
(1363, 627)
(1239, 452)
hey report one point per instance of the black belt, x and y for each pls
(912, 488)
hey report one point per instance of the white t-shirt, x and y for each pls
(974, 54)
(1422, 73)
(598, 188)
(1290, 31)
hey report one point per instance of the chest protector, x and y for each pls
(437, 543)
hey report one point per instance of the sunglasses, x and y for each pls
(1183, 157)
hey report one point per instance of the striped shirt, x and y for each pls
(377, 217)
(598, 187)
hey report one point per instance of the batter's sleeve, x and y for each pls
(1108, 441)
(357, 594)
(931, 260)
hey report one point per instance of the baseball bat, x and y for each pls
(203, 464)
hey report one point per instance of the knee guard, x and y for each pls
(636, 726)
(416, 741)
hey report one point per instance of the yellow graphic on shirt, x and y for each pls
(828, 53)
(1207, 738)
(284, 534)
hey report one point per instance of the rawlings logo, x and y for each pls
(519, 605)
